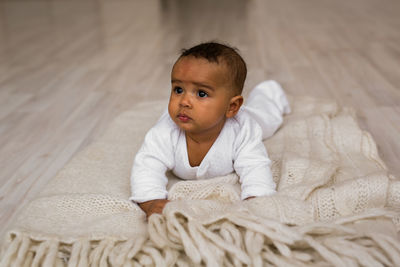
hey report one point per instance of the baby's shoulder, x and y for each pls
(245, 126)
(244, 121)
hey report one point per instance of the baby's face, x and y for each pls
(200, 95)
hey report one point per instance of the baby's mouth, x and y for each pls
(183, 118)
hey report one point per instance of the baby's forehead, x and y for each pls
(203, 69)
(214, 66)
(222, 68)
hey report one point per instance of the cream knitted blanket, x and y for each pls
(336, 204)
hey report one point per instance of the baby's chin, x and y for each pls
(180, 124)
(184, 127)
(187, 127)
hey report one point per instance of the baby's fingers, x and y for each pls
(157, 207)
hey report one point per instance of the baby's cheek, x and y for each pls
(170, 109)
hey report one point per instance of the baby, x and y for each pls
(206, 132)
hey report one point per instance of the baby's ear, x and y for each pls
(234, 106)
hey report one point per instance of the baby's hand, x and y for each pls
(153, 206)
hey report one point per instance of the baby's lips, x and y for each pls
(183, 117)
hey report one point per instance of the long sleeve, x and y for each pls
(155, 157)
(251, 161)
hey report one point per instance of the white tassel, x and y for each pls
(118, 255)
(254, 244)
(171, 256)
(40, 253)
(232, 235)
(23, 250)
(283, 249)
(29, 259)
(390, 246)
(207, 254)
(12, 249)
(145, 260)
(320, 228)
(97, 252)
(190, 249)
(285, 234)
(229, 247)
(351, 250)
(377, 254)
(50, 258)
(155, 255)
(275, 260)
(136, 247)
(324, 252)
(301, 256)
(158, 232)
(106, 253)
(75, 253)
(84, 253)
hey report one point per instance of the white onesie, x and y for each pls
(238, 148)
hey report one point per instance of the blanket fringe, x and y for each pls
(349, 249)
(242, 239)
(235, 240)
(98, 257)
(13, 248)
(155, 255)
(389, 245)
(232, 235)
(23, 250)
(221, 243)
(165, 237)
(84, 254)
(189, 247)
(124, 250)
(40, 253)
(51, 253)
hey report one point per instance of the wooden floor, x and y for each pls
(67, 68)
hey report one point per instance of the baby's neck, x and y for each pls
(201, 139)
(199, 144)
(197, 150)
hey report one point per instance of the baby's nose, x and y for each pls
(185, 101)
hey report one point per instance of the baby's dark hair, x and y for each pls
(216, 52)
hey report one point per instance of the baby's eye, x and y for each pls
(178, 90)
(202, 94)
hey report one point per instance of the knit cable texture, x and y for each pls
(336, 204)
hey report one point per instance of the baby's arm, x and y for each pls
(251, 162)
(148, 178)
